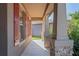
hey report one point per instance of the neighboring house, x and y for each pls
(36, 28)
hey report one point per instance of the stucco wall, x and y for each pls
(3, 29)
(12, 50)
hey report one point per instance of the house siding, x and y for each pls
(36, 29)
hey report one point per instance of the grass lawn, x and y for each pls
(36, 38)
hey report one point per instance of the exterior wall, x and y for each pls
(13, 50)
(37, 22)
(3, 29)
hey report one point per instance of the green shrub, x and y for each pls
(73, 32)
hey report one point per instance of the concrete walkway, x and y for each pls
(36, 48)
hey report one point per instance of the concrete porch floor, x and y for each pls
(36, 48)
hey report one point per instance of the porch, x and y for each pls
(16, 29)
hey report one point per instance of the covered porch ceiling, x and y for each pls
(38, 10)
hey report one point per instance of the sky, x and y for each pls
(71, 8)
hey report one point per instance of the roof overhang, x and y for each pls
(38, 10)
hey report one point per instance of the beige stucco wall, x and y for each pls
(12, 50)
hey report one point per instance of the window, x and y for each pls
(50, 18)
(22, 25)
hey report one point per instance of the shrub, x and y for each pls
(73, 32)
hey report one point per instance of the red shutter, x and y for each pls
(16, 22)
(28, 26)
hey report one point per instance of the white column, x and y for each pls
(46, 26)
(46, 33)
(43, 29)
(63, 46)
(61, 22)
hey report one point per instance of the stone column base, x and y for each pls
(63, 47)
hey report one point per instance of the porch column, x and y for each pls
(63, 46)
(46, 33)
(43, 28)
(46, 26)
